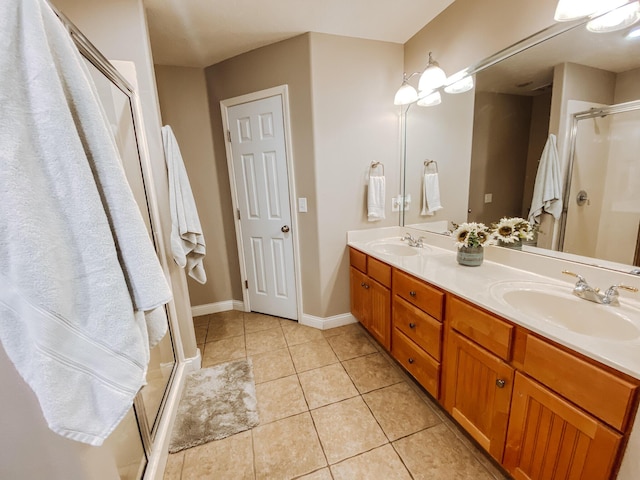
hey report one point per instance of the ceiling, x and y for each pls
(199, 33)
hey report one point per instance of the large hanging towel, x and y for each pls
(78, 268)
(187, 241)
(547, 191)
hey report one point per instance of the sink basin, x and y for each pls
(396, 247)
(557, 305)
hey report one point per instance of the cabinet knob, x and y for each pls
(412, 325)
(500, 383)
(362, 284)
(366, 286)
(412, 293)
(410, 360)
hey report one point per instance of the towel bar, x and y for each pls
(375, 165)
(429, 162)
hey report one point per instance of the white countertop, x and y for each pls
(437, 265)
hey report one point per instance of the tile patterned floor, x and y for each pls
(332, 404)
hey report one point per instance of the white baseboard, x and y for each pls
(325, 323)
(209, 308)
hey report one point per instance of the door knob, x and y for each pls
(285, 229)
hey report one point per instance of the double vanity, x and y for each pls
(546, 382)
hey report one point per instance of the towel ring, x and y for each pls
(375, 165)
(429, 162)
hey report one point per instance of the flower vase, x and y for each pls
(517, 245)
(470, 256)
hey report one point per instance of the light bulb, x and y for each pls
(617, 19)
(432, 78)
(405, 95)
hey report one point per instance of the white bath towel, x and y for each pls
(547, 191)
(430, 194)
(75, 254)
(375, 198)
(187, 240)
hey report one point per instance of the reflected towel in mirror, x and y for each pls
(547, 190)
(430, 194)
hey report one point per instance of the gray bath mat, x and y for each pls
(216, 403)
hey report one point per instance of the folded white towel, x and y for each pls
(75, 253)
(547, 191)
(430, 194)
(187, 240)
(375, 198)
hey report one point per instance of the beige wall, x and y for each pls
(354, 123)
(341, 120)
(184, 105)
(500, 143)
(282, 63)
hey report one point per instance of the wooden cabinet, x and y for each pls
(549, 438)
(478, 392)
(371, 296)
(542, 410)
(417, 329)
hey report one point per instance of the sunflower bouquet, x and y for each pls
(471, 234)
(511, 230)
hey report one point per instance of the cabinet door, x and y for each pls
(549, 438)
(360, 297)
(478, 392)
(380, 319)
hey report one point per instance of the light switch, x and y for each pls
(302, 204)
(488, 197)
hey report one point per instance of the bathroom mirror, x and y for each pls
(584, 87)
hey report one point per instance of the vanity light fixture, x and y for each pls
(430, 100)
(433, 76)
(618, 19)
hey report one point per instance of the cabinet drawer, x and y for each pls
(379, 271)
(601, 393)
(418, 293)
(423, 368)
(486, 330)
(424, 330)
(358, 260)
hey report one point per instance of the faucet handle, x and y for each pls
(580, 278)
(614, 288)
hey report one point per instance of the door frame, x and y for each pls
(283, 92)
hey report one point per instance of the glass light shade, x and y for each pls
(463, 85)
(635, 33)
(405, 95)
(430, 100)
(617, 19)
(568, 10)
(433, 77)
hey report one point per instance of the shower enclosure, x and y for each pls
(603, 185)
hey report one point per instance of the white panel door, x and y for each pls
(260, 174)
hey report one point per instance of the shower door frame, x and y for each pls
(573, 134)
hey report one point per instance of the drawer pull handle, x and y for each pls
(412, 293)
(411, 360)
(500, 383)
(412, 325)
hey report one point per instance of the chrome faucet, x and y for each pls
(412, 241)
(583, 290)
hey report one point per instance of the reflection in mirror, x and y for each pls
(488, 144)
